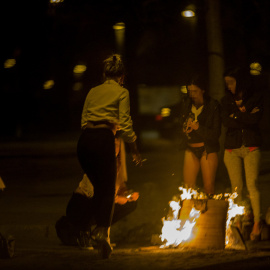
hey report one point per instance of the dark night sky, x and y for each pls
(161, 48)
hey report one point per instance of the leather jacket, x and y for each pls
(242, 127)
(209, 122)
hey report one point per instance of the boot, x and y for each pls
(102, 237)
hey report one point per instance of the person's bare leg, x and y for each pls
(209, 165)
(190, 169)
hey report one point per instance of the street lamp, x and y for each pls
(56, 1)
(255, 68)
(48, 84)
(189, 11)
(79, 69)
(9, 63)
(190, 18)
(119, 31)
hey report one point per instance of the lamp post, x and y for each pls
(215, 49)
(188, 13)
(119, 32)
(214, 45)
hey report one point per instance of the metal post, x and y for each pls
(215, 49)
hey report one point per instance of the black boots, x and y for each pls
(102, 237)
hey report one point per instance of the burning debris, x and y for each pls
(176, 231)
(196, 221)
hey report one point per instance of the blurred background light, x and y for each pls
(119, 32)
(48, 84)
(79, 69)
(9, 63)
(119, 26)
(188, 13)
(255, 68)
(77, 86)
(165, 112)
(56, 1)
(184, 89)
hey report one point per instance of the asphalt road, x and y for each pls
(40, 178)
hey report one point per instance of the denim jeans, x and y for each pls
(234, 161)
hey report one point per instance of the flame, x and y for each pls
(188, 194)
(233, 211)
(176, 231)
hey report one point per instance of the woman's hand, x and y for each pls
(194, 125)
(136, 157)
(188, 127)
(239, 102)
(133, 196)
(242, 109)
(254, 110)
(120, 199)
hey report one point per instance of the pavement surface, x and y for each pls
(40, 177)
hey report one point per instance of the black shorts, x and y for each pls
(197, 151)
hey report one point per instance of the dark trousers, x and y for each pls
(96, 154)
(80, 211)
(80, 218)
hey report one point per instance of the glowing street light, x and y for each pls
(188, 13)
(48, 84)
(56, 1)
(255, 68)
(9, 63)
(79, 69)
(184, 89)
(119, 26)
(119, 32)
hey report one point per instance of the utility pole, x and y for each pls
(216, 70)
(215, 49)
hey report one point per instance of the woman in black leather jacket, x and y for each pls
(242, 109)
(200, 123)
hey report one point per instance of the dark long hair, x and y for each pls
(243, 81)
(200, 81)
(113, 67)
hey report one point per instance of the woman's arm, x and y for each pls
(227, 112)
(213, 132)
(126, 126)
(125, 121)
(251, 113)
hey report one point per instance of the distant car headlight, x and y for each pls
(165, 112)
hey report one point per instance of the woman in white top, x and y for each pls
(106, 110)
(200, 126)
